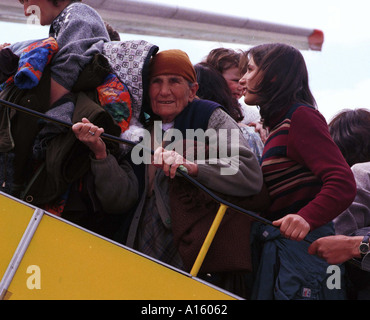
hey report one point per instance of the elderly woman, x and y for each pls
(172, 217)
(171, 220)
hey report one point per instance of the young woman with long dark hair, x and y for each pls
(308, 179)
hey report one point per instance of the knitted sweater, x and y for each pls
(80, 33)
(304, 170)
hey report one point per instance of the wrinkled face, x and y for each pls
(44, 9)
(249, 83)
(169, 95)
(232, 77)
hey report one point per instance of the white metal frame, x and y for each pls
(147, 18)
(20, 251)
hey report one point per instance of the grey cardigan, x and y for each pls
(356, 219)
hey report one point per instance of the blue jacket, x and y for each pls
(286, 271)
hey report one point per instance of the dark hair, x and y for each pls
(223, 59)
(350, 130)
(56, 2)
(284, 79)
(113, 34)
(243, 62)
(213, 86)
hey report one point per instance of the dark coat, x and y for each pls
(193, 211)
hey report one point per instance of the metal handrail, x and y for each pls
(224, 205)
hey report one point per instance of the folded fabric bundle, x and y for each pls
(115, 98)
(129, 60)
(33, 61)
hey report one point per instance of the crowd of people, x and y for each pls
(243, 124)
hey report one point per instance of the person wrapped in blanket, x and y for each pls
(62, 184)
(80, 33)
(114, 97)
(77, 33)
(70, 191)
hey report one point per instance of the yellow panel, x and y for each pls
(14, 218)
(75, 264)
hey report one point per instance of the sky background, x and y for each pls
(339, 74)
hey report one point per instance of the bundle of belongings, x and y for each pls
(39, 160)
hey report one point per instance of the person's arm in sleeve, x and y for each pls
(116, 185)
(311, 145)
(239, 174)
